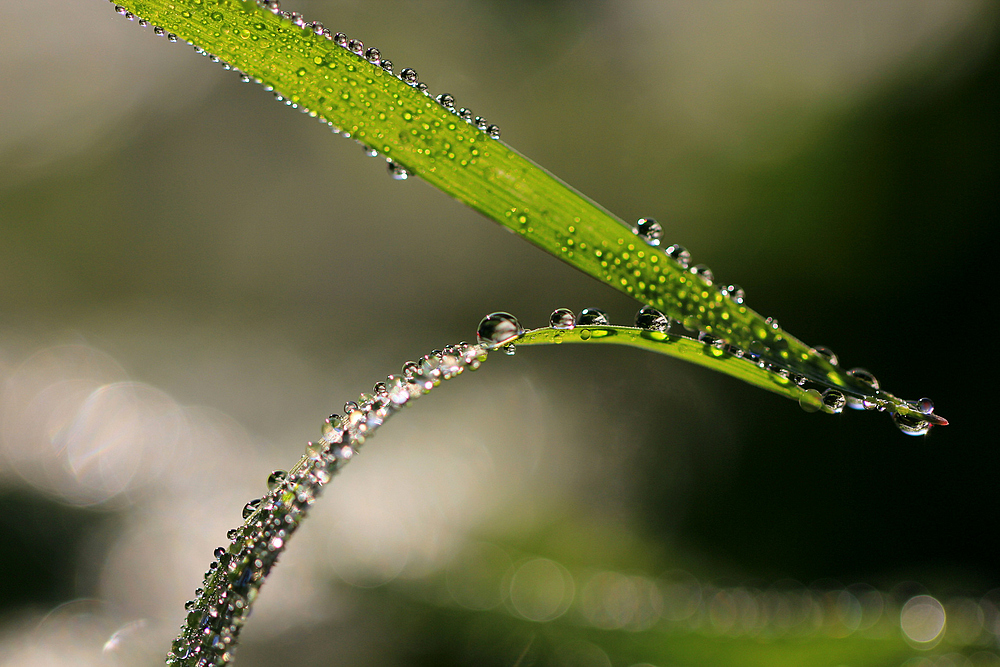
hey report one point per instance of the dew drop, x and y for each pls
(232, 533)
(864, 376)
(250, 508)
(397, 171)
(356, 46)
(481, 123)
(772, 324)
(911, 424)
(509, 349)
(466, 115)
(386, 65)
(340, 39)
(834, 401)
(592, 317)
(679, 254)
(275, 479)
(925, 405)
(649, 229)
(370, 152)
(446, 100)
(736, 293)
(811, 400)
(704, 273)
(562, 318)
(219, 552)
(408, 75)
(373, 55)
(497, 329)
(493, 131)
(651, 319)
(826, 353)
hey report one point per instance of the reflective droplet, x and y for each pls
(349, 407)
(911, 424)
(562, 318)
(409, 75)
(386, 65)
(466, 115)
(397, 171)
(834, 401)
(250, 508)
(340, 39)
(864, 376)
(736, 293)
(355, 46)
(275, 479)
(219, 552)
(826, 353)
(649, 229)
(704, 273)
(509, 349)
(481, 123)
(446, 100)
(925, 405)
(593, 316)
(679, 254)
(651, 319)
(811, 400)
(496, 329)
(373, 55)
(772, 324)
(493, 131)
(370, 152)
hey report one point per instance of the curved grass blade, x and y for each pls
(353, 89)
(212, 627)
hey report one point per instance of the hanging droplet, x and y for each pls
(409, 75)
(275, 479)
(509, 349)
(826, 353)
(864, 376)
(373, 55)
(834, 401)
(232, 533)
(651, 319)
(562, 318)
(592, 317)
(704, 273)
(446, 100)
(497, 329)
(772, 324)
(811, 400)
(649, 229)
(911, 424)
(679, 254)
(370, 152)
(736, 293)
(250, 508)
(397, 171)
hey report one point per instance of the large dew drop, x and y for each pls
(497, 329)
(649, 229)
(562, 318)
(911, 424)
(651, 319)
(593, 316)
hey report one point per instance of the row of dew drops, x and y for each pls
(502, 330)
(355, 46)
(233, 579)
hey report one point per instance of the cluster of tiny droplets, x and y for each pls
(233, 580)
(816, 395)
(355, 46)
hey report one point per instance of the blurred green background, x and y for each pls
(193, 276)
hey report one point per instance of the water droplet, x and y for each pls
(925, 405)
(493, 131)
(481, 123)
(397, 171)
(386, 65)
(232, 533)
(355, 46)
(509, 349)
(651, 319)
(496, 329)
(370, 152)
(911, 424)
(373, 55)
(408, 75)
(593, 316)
(772, 324)
(317, 27)
(649, 229)
(834, 401)
(250, 508)
(736, 293)
(562, 318)
(704, 273)
(466, 115)
(811, 400)
(679, 254)
(826, 353)
(864, 376)
(275, 479)
(340, 39)
(421, 86)
(446, 100)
